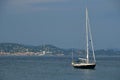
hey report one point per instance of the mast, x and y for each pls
(91, 40)
(87, 46)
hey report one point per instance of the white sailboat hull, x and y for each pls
(84, 65)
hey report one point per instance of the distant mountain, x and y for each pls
(12, 47)
(15, 48)
(20, 48)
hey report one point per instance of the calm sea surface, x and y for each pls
(56, 68)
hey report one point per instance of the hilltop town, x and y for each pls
(50, 50)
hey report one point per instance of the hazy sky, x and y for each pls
(60, 22)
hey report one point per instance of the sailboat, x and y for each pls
(86, 63)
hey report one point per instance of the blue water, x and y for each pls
(56, 68)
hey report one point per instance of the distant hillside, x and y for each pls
(12, 48)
